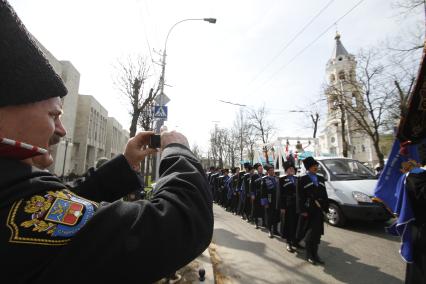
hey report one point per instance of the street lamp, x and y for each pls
(163, 71)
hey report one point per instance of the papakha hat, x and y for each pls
(268, 167)
(26, 76)
(288, 164)
(309, 162)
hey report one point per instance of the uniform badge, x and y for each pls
(50, 219)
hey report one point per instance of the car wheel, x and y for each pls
(335, 216)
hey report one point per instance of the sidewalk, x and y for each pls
(190, 273)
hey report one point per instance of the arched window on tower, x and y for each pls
(354, 103)
(332, 78)
(342, 75)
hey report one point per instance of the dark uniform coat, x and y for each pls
(308, 196)
(49, 233)
(233, 186)
(246, 195)
(268, 194)
(287, 201)
(416, 191)
(254, 189)
(240, 193)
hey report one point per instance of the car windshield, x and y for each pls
(348, 169)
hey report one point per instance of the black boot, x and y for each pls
(275, 230)
(289, 248)
(316, 257)
(310, 254)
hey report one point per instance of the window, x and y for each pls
(332, 78)
(353, 101)
(342, 75)
(362, 148)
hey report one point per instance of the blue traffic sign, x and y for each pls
(160, 112)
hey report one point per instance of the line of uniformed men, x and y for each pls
(298, 203)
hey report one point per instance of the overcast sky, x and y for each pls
(244, 58)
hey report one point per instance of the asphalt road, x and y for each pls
(360, 253)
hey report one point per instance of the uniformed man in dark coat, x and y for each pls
(233, 185)
(268, 200)
(287, 206)
(246, 210)
(415, 187)
(254, 189)
(312, 203)
(223, 188)
(241, 195)
(229, 190)
(214, 183)
(50, 233)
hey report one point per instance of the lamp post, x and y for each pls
(160, 121)
(163, 69)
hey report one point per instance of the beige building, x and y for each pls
(117, 138)
(91, 134)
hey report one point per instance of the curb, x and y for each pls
(206, 263)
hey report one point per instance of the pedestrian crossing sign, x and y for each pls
(160, 112)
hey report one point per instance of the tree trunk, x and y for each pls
(343, 130)
(379, 153)
(315, 121)
(133, 125)
(265, 151)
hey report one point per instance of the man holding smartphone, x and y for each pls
(87, 233)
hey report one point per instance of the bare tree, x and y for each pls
(313, 111)
(263, 128)
(251, 139)
(240, 128)
(407, 6)
(368, 104)
(130, 81)
(196, 151)
(337, 102)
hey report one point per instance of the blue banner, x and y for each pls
(387, 184)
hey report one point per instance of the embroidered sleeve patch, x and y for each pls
(51, 219)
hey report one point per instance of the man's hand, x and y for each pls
(304, 214)
(137, 150)
(283, 211)
(169, 137)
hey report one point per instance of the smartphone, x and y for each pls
(154, 141)
(18, 150)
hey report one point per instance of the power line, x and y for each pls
(309, 45)
(291, 41)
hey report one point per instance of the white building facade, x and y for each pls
(343, 89)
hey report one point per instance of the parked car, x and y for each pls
(350, 188)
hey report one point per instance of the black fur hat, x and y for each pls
(287, 165)
(26, 76)
(267, 167)
(309, 162)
